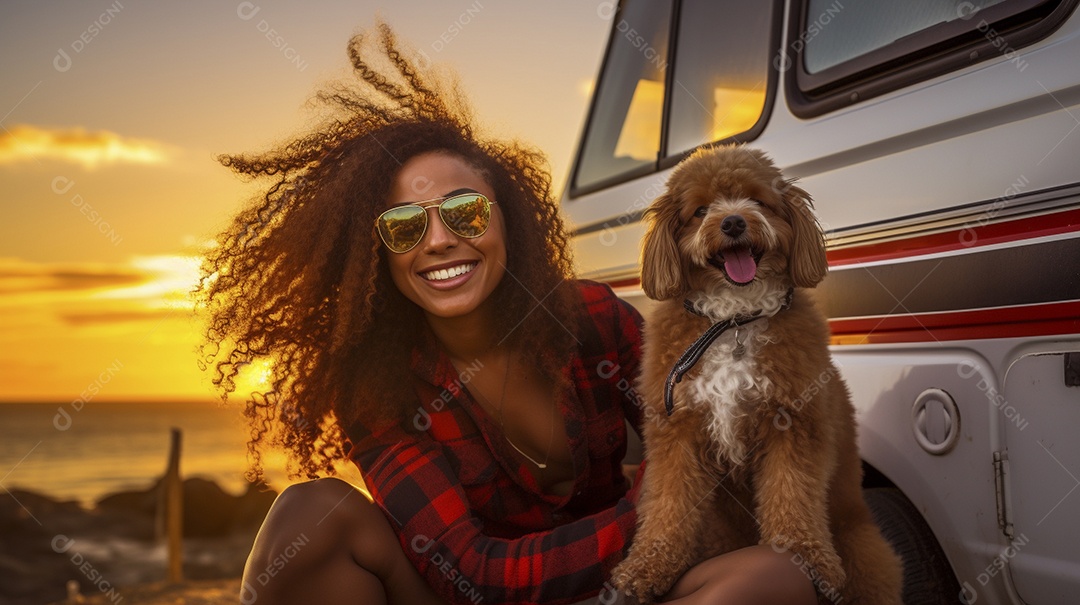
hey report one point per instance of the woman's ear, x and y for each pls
(808, 264)
(662, 274)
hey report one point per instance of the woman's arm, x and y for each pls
(618, 328)
(628, 325)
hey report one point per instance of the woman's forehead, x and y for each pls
(447, 195)
(436, 174)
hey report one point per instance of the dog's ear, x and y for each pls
(662, 275)
(808, 264)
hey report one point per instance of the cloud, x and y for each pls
(61, 323)
(77, 145)
(108, 317)
(170, 280)
(21, 277)
(144, 287)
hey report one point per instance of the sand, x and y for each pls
(197, 592)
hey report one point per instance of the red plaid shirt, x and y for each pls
(470, 516)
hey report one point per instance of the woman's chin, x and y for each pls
(450, 300)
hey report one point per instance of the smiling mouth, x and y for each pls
(738, 263)
(449, 272)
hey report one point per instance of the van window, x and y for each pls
(623, 134)
(848, 30)
(721, 68)
(840, 52)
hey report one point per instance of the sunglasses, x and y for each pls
(402, 227)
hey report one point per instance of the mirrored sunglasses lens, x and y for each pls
(466, 215)
(401, 228)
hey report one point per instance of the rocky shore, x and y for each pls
(110, 554)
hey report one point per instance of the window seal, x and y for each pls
(611, 181)
(669, 79)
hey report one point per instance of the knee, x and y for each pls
(309, 541)
(328, 500)
(323, 515)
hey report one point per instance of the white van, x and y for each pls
(941, 142)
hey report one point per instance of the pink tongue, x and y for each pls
(739, 264)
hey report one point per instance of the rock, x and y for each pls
(22, 509)
(252, 506)
(208, 509)
(31, 570)
(135, 501)
(116, 535)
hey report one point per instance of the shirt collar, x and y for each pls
(430, 363)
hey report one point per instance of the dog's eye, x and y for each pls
(757, 202)
(701, 211)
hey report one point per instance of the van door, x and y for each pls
(1040, 409)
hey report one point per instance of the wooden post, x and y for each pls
(172, 503)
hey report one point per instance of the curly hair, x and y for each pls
(299, 278)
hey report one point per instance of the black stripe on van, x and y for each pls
(1021, 275)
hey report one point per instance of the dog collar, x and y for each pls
(693, 353)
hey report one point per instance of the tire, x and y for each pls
(928, 578)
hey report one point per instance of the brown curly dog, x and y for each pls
(760, 445)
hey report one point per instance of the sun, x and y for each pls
(255, 377)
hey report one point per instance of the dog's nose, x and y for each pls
(733, 226)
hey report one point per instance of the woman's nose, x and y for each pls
(438, 237)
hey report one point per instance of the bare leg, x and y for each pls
(756, 575)
(325, 542)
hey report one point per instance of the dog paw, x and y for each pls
(825, 568)
(648, 572)
(830, 571)
(631, 578)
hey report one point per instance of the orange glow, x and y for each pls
(586, 88)
(736, 110)
(640, 135)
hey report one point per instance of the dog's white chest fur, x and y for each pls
(726, 383)
(729, 377)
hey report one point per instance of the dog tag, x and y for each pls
(740, 348)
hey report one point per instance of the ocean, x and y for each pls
(82, 455)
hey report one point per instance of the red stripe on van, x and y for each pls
(1008, 322)
(624, 283)
(970, 236)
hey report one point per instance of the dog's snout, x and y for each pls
(733, 226)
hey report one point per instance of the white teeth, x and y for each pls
(441, 274)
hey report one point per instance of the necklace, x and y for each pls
(502, 425)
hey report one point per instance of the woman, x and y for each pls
(411, 283)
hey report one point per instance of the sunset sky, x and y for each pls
(111, 114)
